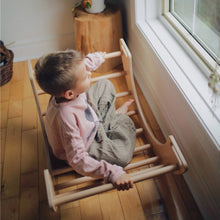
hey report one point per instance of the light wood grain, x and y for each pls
(4, 114)
(98, 32)
(10, 208)
(111, 206)
(131, 204)
(5, 90)
(29, 157)
(29, 204)
(29, 120)
(3, 137)
(11, 171)
(90, 208)
(15, 109)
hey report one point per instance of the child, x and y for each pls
(81, 123)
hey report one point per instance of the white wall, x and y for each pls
(176, 116)
(36, 26)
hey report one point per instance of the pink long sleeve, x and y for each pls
(80, 160)
(93, 61)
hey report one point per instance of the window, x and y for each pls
(198, 22)
(201, 19)
(169, 28)
(175, 81)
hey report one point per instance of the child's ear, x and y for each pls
(69, 94)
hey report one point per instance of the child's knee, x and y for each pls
(107, 83)
(125, 158)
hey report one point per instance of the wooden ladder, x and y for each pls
(159, 158)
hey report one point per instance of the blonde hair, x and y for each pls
(56, 72)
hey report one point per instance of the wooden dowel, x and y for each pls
(69, 197)
(74, 182)
(113, 54)
(141, 163)
(145, 170)
(87, 178)
(154, 173)
(62, 171)
(139, 130)
(108, 76)
(122, 94)
(49, 189)
(141, 148)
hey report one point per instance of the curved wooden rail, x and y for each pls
(169, 152)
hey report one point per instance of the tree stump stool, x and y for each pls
(98, 32)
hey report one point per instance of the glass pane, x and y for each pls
(207, 24)
(184, 11)
(203, 21)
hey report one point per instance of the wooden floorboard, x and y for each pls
(23, 160)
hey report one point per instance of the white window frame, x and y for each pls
(199, 50)
(188, 66)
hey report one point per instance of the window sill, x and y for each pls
(189, 75)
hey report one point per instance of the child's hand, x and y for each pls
(124, 182)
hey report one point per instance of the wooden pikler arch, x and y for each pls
(160, 158)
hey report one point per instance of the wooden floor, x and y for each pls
(23, 193)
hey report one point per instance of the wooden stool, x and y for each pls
(98, 32)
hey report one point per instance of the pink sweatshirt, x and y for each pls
(71, 127)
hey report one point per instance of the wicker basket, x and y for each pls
(6, 60)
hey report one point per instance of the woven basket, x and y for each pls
(6, 60)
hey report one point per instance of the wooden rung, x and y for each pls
(130, 113)
(70, 196)
(141, 148)
(155, 172)
(62, 171)
(88, 179)
(74, 182)
(108, 76)
(146, 170)
(40, 92)
(94, 79)
(139, 130)
(141, 163)
(122, 94)
(113, 54)
(49, 189)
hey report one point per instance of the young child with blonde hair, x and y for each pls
(82, 125)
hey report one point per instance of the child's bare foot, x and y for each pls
(124, 108)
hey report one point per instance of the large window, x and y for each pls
(201, 18)
(198, 21)
(185, 37)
